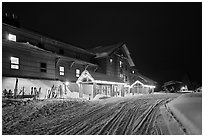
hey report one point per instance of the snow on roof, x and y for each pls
(171, 83)
(143, 79)
(26, 45)
(93, 76)
(104, 51)
(30, 46)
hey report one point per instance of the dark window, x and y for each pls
(61, 51)
(126, 78)
(121, 71)
(43, 67)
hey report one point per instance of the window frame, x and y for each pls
(77, 72)
(61, 71)
(42, 67)
(120, 63)
(15, 63)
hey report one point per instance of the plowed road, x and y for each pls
(113, 116)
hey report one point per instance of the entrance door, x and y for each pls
(87, 91)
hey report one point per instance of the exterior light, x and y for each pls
(11, 37)
(67, 83)
(111, 60)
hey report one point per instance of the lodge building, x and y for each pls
(33, 60)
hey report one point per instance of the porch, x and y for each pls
(90, 84)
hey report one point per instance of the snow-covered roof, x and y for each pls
(99, 78)
(171, 83)
(143, 79)
(104, 51)
(101, 51)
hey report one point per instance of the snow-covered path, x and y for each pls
(112, 116)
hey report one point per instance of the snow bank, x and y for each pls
(188, 110)
(70, 94)
(98, 96)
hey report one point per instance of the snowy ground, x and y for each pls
(114, 116)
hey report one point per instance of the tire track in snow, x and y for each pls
(141, 125)
(97, 119)
(128, 115)
(67, 126)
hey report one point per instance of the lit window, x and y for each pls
(121, 75)
(108, 90)
(43, 67)
(61, 70)
(12, 37)
(77, 73)
(14, 63)
(111, 60)
(121, 63)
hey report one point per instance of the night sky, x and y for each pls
(164, 39)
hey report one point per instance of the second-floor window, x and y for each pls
(77, 73)
(14, 63)
(43, 67)
(61, 69)
(126, 67)
(125, 78)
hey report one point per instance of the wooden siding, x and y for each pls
(29, 63)
(114, 68)
(102, 63)
(69, 71)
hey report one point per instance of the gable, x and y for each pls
(105, 51)
(85, 77)
(123, 52)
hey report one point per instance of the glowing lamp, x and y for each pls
(67, 83)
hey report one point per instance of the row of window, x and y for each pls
(43, 67)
